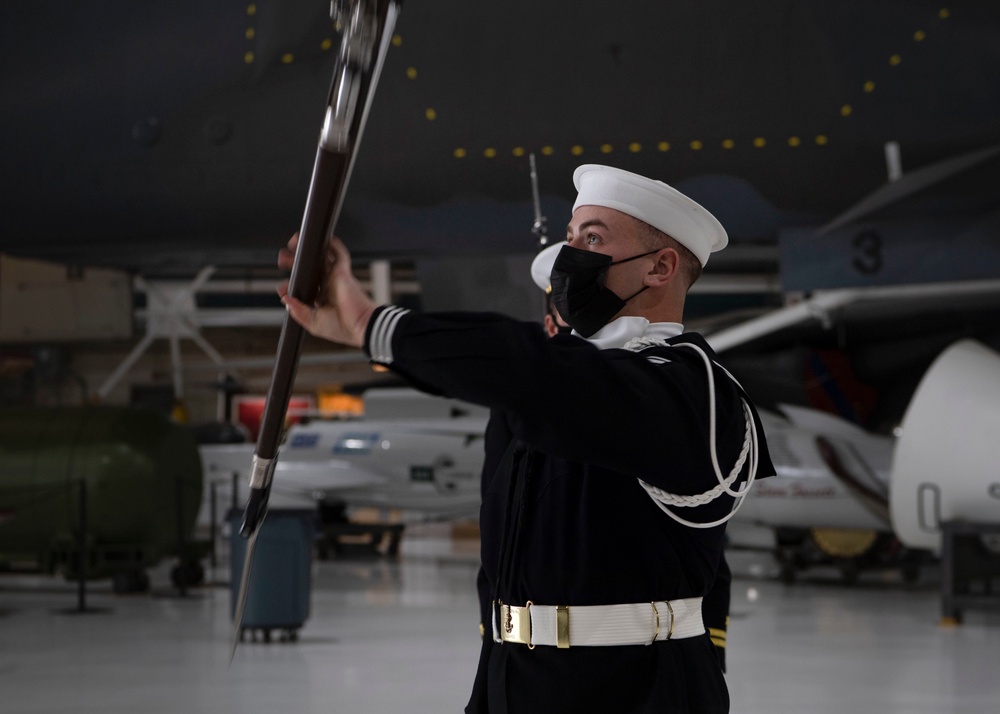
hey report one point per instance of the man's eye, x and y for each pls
(592, 238)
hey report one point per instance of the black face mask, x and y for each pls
(578, 290)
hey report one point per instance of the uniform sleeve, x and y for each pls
(623, 411)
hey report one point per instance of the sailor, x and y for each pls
(626, 449)
(715, 606)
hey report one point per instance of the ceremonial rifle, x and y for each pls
(539, 228)
(366, 27)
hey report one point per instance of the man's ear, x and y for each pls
(666, 265)
(551, 328)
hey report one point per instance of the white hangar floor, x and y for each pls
(401, 635)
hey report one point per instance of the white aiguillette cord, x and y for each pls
(662, 498)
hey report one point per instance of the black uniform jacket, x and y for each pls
(564, 519)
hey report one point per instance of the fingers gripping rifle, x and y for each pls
(367, 27)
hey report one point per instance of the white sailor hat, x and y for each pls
(653, 202)
(541, 266)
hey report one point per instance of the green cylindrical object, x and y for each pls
(143, 487)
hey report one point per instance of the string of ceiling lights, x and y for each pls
(846, 110)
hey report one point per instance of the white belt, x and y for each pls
(639, 623)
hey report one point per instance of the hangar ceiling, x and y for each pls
(182, 134)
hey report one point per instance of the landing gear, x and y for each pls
(788, 572)
(851, 552)
(849, 570)
(187, 574)
(130, 582)
(909, 569)
(339, 536)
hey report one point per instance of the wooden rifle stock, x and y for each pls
(329, 177)
(365, 40)
(328, 182)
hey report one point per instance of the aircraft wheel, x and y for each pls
(186, 574)
(849, 571)
(130, 582)
(910, 572)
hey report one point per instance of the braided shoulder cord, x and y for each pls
(662, 498)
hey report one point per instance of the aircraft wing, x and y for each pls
(825, 308)
(221, 461)
(324, 478)
(909, 184)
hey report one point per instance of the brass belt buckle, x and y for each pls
(506, 625)
(516, 624)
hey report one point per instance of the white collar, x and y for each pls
(618, 332)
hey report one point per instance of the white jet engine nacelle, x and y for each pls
(946, 464)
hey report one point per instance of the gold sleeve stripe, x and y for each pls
(718, 637)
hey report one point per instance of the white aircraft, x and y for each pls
(840, 495)
(418, 454)
(939, 468)
(422, 455)
(827, 502)
(945, 464)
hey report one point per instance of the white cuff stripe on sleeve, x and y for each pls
(380, 343)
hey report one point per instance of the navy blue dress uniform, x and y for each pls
(566, 520)
(613, 462)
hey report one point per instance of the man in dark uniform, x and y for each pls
(715, 605)
(625, 447)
